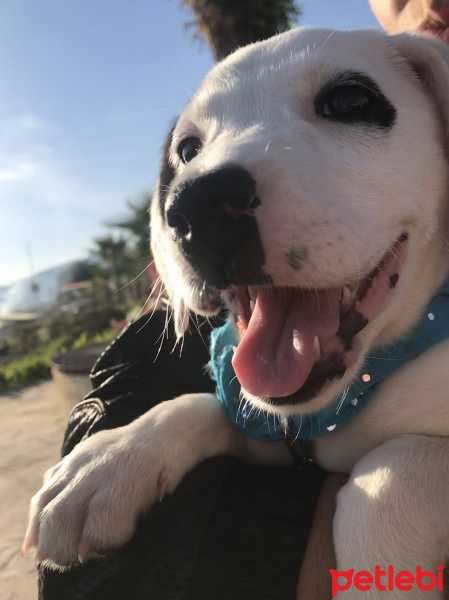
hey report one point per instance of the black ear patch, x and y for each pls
(166, 172)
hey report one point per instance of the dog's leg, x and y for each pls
(393, 511)
(92, 498)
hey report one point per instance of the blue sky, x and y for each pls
(88, 90)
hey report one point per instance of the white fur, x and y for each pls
(333, 188)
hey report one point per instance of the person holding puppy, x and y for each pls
(210, 538)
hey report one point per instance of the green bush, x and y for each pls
(105, 336)
(34, 365)
(31, 358)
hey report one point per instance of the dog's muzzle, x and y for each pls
(212, 221)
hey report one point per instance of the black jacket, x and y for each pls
(229, 532)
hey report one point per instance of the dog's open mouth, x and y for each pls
(294, 341)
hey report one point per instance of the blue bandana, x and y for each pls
(432, 328)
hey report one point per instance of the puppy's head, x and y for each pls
(305, 187)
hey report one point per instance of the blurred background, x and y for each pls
(88, 92)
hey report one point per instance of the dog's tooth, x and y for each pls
(316, 347)
(164, 484)
(252, 293)
(241, 327)
(346, 297)
(234, 348)
(252, 305)
(357, 305)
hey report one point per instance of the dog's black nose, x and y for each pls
(211, 219)
(222, 196)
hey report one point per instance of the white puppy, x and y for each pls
(305, 185)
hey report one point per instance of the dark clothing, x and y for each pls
(229, 532)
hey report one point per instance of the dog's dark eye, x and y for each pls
(188, 149)
(347, 101)
(356, 99)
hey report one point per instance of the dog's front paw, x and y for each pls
(90, 501)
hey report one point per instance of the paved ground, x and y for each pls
(31, 427)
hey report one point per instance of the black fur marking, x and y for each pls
(350, 324)
(393, 280)
(261, 278)
(364, 286)
(332, 367)
(166, 173)
(296, 258)
(255, 203)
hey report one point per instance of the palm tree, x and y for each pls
(229, 24)
(112, 253)
(136, 225)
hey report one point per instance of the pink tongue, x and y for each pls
(277, 353)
